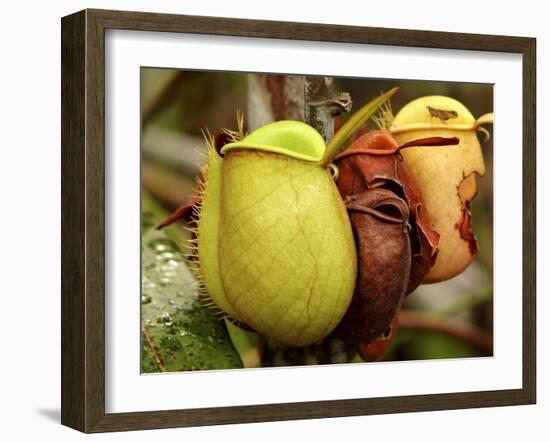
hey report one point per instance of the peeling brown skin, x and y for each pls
(464, 225)
(379, 219)
(373, 161)
(465, 229)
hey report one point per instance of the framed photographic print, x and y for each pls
(267, 220)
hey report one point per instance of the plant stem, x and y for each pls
(355, 122)
(322, 104)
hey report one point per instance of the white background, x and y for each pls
(30, 186)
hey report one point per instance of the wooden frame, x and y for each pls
(83, 215)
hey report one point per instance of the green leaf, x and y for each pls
(178, 333)
(246, 342)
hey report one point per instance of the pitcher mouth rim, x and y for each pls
(272, 149)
